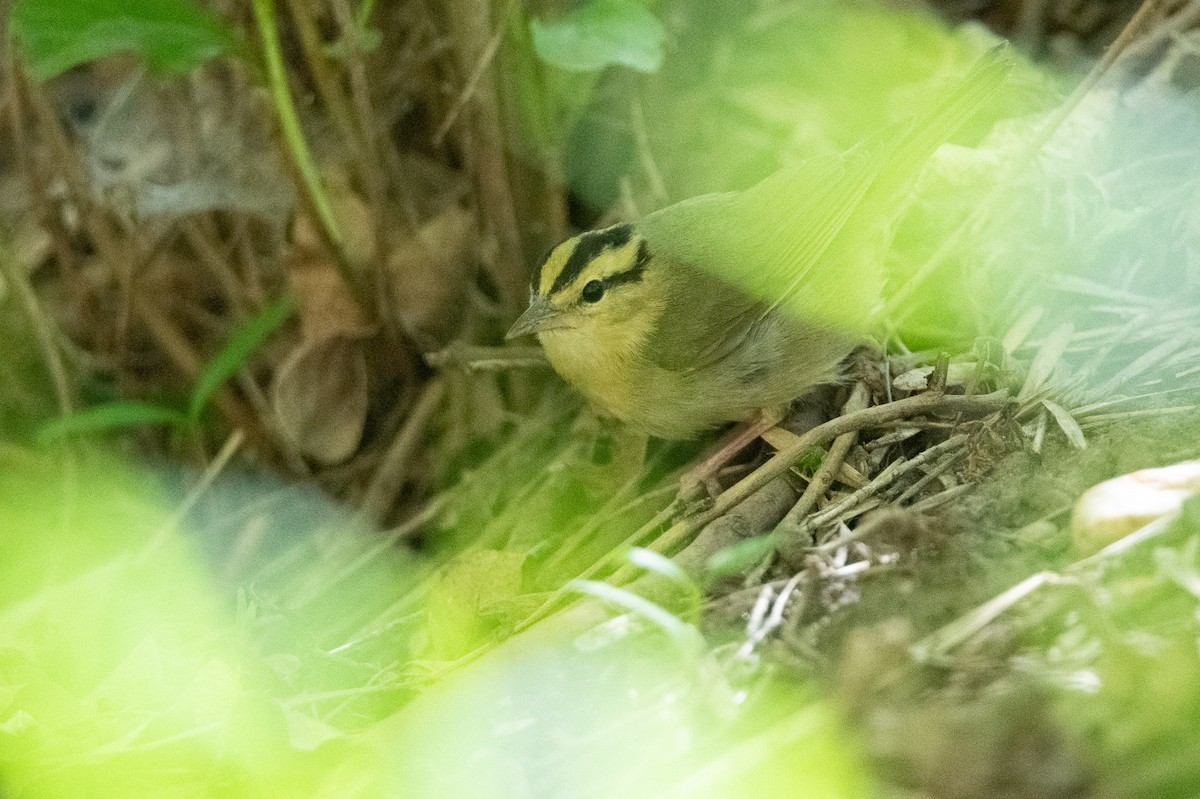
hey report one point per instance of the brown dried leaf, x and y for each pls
(320, 397)
(326, 307)
(353, 217)
(430, 274)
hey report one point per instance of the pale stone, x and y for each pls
(1115, 508)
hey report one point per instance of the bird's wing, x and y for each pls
(709, 319)
(810, 238)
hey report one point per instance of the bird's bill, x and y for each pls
(539, 316)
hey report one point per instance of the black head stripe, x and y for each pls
(536, 280)
(634, 273)
(588, 247)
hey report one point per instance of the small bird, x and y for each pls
(713, 309)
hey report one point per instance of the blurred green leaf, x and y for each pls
(473, 580)
(740, 557)
(1190, 512)
(602, 33)
(107, 417)
(171, 35)
(246, 339)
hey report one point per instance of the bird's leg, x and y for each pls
(704, 474)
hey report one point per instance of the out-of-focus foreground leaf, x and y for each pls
(171, 35)
(600, 34)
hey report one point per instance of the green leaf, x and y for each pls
(1190, 512)
(246, 339)
(602, 33)
(740, 557)
(108, 417)
(173, 36)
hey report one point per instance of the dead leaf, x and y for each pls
(430, 275)
(320, 398)
(325, 305)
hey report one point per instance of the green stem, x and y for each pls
(364, 14)
(289, 122)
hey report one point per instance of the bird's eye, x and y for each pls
(593, 291)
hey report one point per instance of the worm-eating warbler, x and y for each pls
(717, 307)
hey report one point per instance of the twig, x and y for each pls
(930, 402)
(487, 359)
(939, 499)
(486, 59)
(827, 473)
(43, 328)
(929, 477)
(390, 476)
(471, 20)
(802, 531)
(924, 403)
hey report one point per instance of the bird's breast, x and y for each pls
(603, 369)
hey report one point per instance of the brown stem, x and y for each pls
(472, 24)
(390, 476)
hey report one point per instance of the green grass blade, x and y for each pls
(246, 339)
(107, 418)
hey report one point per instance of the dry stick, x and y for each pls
(784, 459)
(217, 264)
(475, 358)
(43, 328)
(36, 183)
(930, 402)
(471, 20)
(324, 80)
(394, 469)
(828, 471)
(803, 530)
(929, 503)
(486, 59)
(888, 476)
(368, 126)
(1178, 20)
(934, 473)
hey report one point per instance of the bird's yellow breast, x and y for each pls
(606, 365)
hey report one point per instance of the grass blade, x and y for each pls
(106, 418)
(245, 340)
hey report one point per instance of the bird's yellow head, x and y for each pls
(596, 287)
